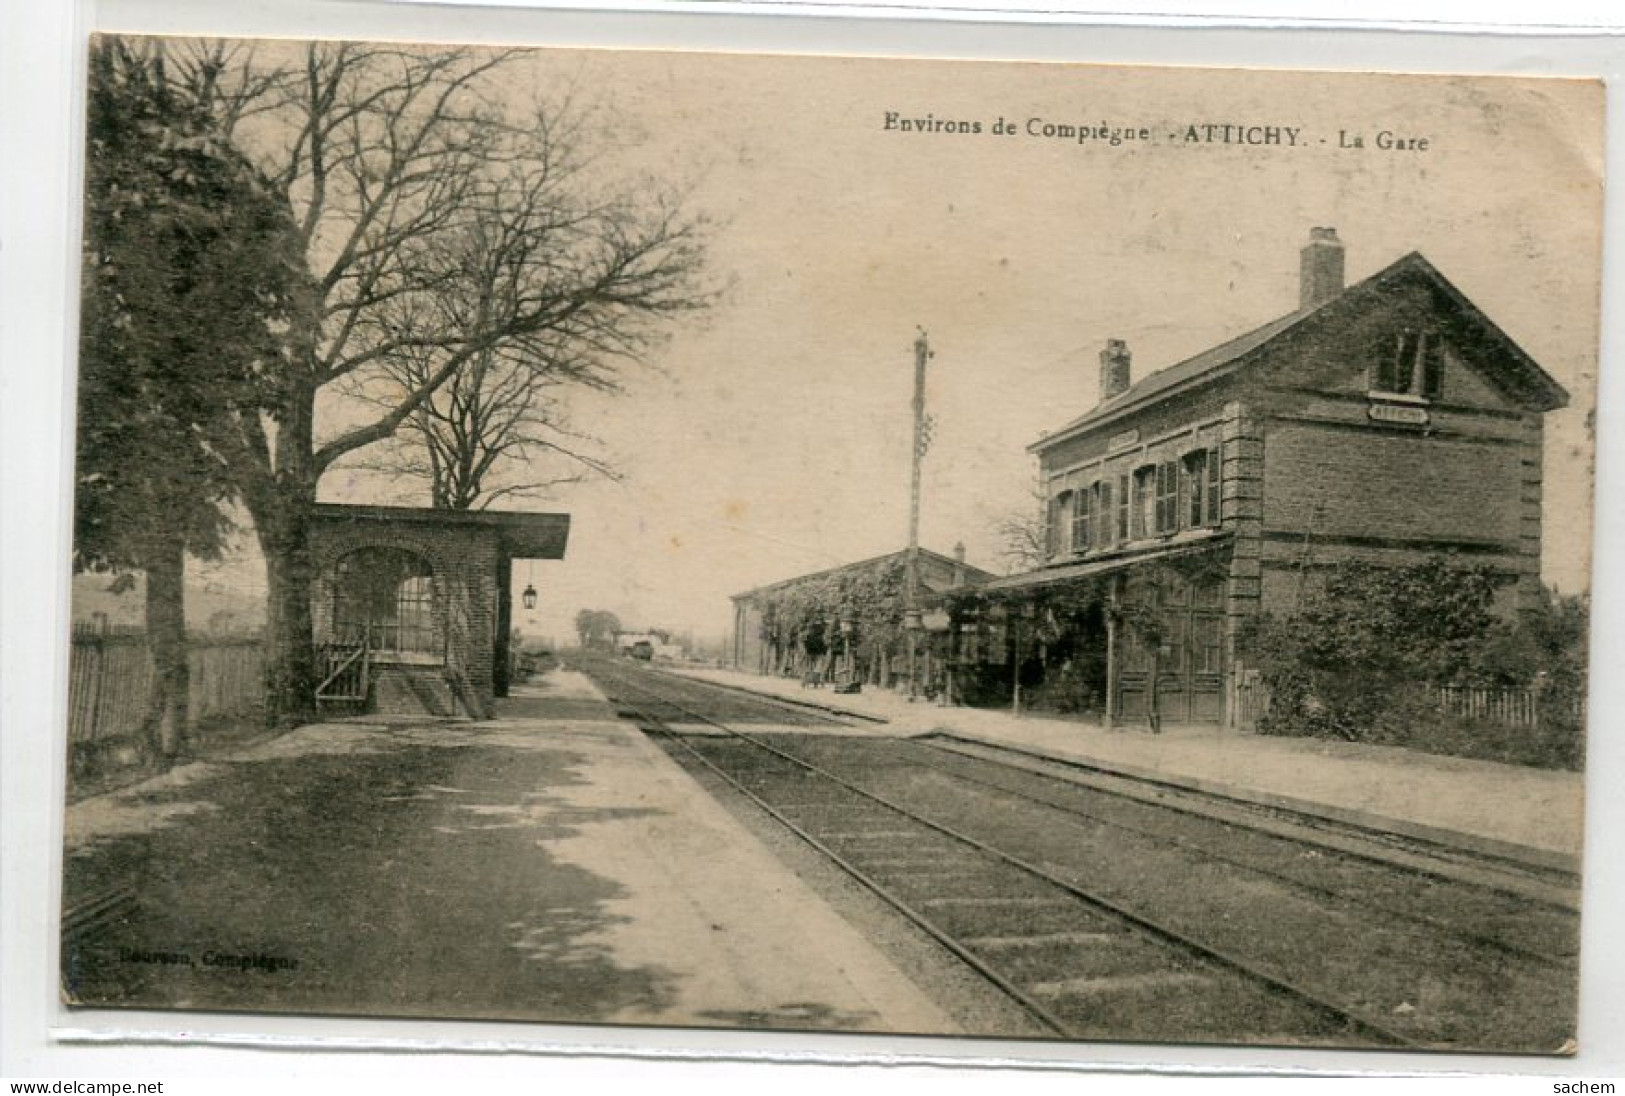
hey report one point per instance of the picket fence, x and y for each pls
(1508, 707)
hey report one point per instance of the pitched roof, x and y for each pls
(973, 574)
(1536, 387)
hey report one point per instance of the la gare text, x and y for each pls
(1261, 134)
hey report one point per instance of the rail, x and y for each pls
(1349, 1019)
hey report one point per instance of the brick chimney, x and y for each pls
(1320, 268)
(1114, 369)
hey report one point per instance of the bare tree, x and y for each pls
(498, 428)
(439, 228)
(497, 431)
(1024, 533)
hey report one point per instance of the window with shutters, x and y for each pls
(1143, 513)
(1410, 363)
(1199, 488)
(1215, 469)
(1193, 487)
(1054, 522)
(1167, 505)
(1083, 520)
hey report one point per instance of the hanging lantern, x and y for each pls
(529, 597)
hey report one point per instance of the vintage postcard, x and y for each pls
(1088, 553)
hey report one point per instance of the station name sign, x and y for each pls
(1123, 440)
(1401, 413)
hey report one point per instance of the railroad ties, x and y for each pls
(1082, 967)
(1112, 906)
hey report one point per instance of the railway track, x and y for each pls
(1071, 937)
(1512, 914)
(1080, 964)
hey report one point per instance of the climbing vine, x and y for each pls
(801, 621)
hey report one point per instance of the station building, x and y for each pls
(762, 644)
(1383, 421)
(412, 608)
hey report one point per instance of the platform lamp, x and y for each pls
(529, 596)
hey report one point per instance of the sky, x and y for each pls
(771, 436)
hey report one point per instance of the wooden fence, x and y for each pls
(110, 679)
(1252, 699)
(1508, 707)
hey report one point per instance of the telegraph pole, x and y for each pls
(911, 579)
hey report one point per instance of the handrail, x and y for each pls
(359, 653)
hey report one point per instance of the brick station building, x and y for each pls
(1381, 421)
(412, 607)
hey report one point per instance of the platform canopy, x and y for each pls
(519, 535)
(1188, 544)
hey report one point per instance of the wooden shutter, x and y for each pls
(1122, 506)
(1432, 367)
(1143, 487)
(1082, 520)
(1396, 367)
(1214, 471)
(1104, 514)
(1192, 476)
(1167, 496)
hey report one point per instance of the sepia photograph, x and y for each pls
(1004, 550)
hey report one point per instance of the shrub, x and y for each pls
(1358, 660)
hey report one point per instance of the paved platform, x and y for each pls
(551, 864)
(1531, 814)
(748, 943)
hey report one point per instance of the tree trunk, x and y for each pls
(281, 503)
(167, 718)
(290, 655)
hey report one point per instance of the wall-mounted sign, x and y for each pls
(1123, 440)
(1401, 413)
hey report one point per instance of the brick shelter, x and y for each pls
(412, 607)
(1382, 421)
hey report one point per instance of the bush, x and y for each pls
(1358, 662)
(1068, 690)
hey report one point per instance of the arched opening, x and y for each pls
(385, 598)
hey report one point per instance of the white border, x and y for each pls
(40, 71)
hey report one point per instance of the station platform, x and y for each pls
(1526, 814)
(743, 940)
(552, 864)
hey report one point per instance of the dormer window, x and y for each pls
(1410, 364)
